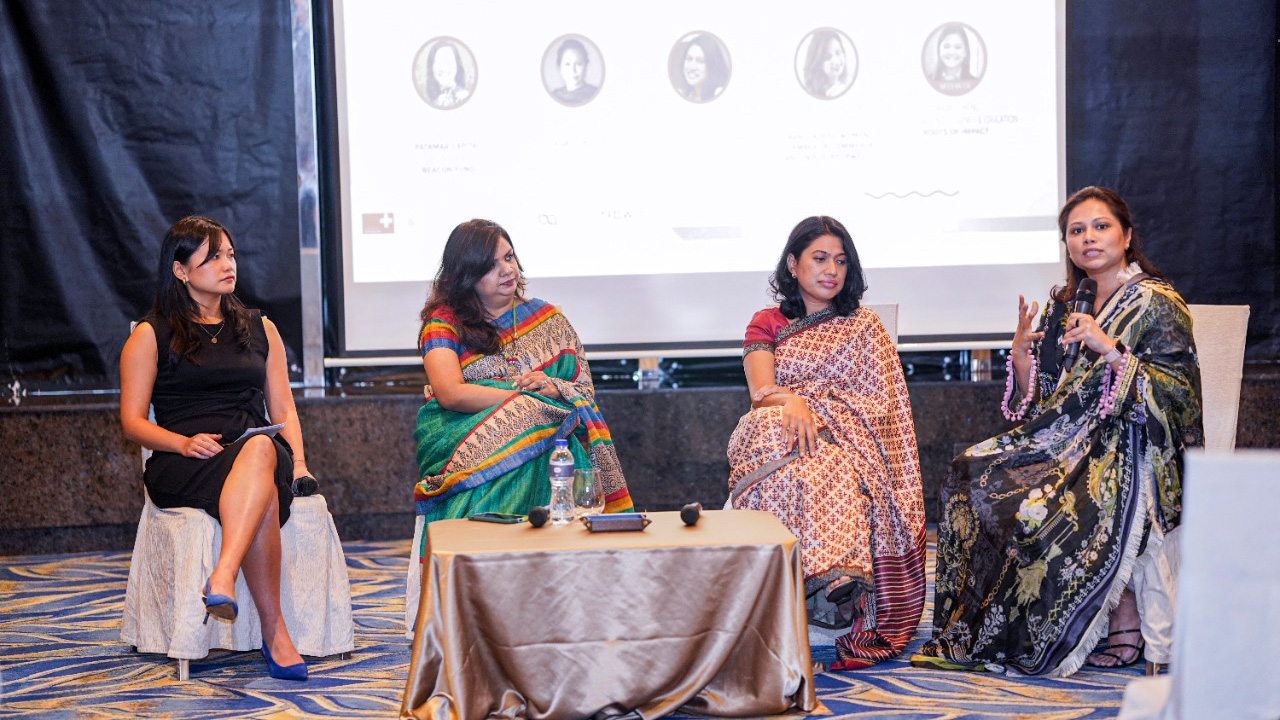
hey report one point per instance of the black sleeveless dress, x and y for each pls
(224, 394)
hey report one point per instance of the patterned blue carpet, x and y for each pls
(61, 656)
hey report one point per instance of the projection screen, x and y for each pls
(649, 161)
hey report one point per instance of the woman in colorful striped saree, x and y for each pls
(829, 446)
(506, 377)
(1045, 528)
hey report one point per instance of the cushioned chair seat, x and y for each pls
(174, 553)
(1219, 332)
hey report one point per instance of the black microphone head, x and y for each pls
(538, 515)
(690, 513)
(1087, 291)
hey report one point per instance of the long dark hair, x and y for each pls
(1119, 208)
(786, 289)
(468, 256)
(459, 74)
(717, 68)
(173, 304)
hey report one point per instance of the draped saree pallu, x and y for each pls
(856, 505)
(1041, 526)
(495, 460)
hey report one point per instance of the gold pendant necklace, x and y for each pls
(508, 349)
(213, 337)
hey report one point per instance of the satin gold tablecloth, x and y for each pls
(557, 622)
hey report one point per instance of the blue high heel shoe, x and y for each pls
(283, 672)
(219, 606)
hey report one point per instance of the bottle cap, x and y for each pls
(563, 441)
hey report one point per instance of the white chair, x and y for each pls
(173, 554)
(888, 313)
(1228, 617)
(413, 580)
(1219, 332)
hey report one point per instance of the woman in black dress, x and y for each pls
(212, 368)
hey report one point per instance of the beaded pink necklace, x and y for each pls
(1021, 412)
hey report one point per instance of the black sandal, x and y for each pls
(840, 593)
(1120, 662)
(833, 608)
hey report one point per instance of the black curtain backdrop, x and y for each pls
(119, 116)
(1173, 104)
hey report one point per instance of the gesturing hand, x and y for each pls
(202, 445)
(1024, 337)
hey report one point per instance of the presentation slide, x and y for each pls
(650, 162)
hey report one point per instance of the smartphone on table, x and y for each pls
(497, 517)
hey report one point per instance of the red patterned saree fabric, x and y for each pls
(856, 505)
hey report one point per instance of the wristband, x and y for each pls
(1115, 353)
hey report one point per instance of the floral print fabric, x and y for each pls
(1041, 525)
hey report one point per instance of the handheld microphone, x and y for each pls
(689, 513)
(538, 515)
(1086, 293)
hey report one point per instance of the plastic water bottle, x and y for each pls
(561, 474)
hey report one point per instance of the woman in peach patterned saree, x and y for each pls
(829, 447)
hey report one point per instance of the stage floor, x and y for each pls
(62, 657)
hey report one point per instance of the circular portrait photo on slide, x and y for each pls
(954, 58)
(572, 70)
(445, 73)
(699, 67)
(826, 63)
